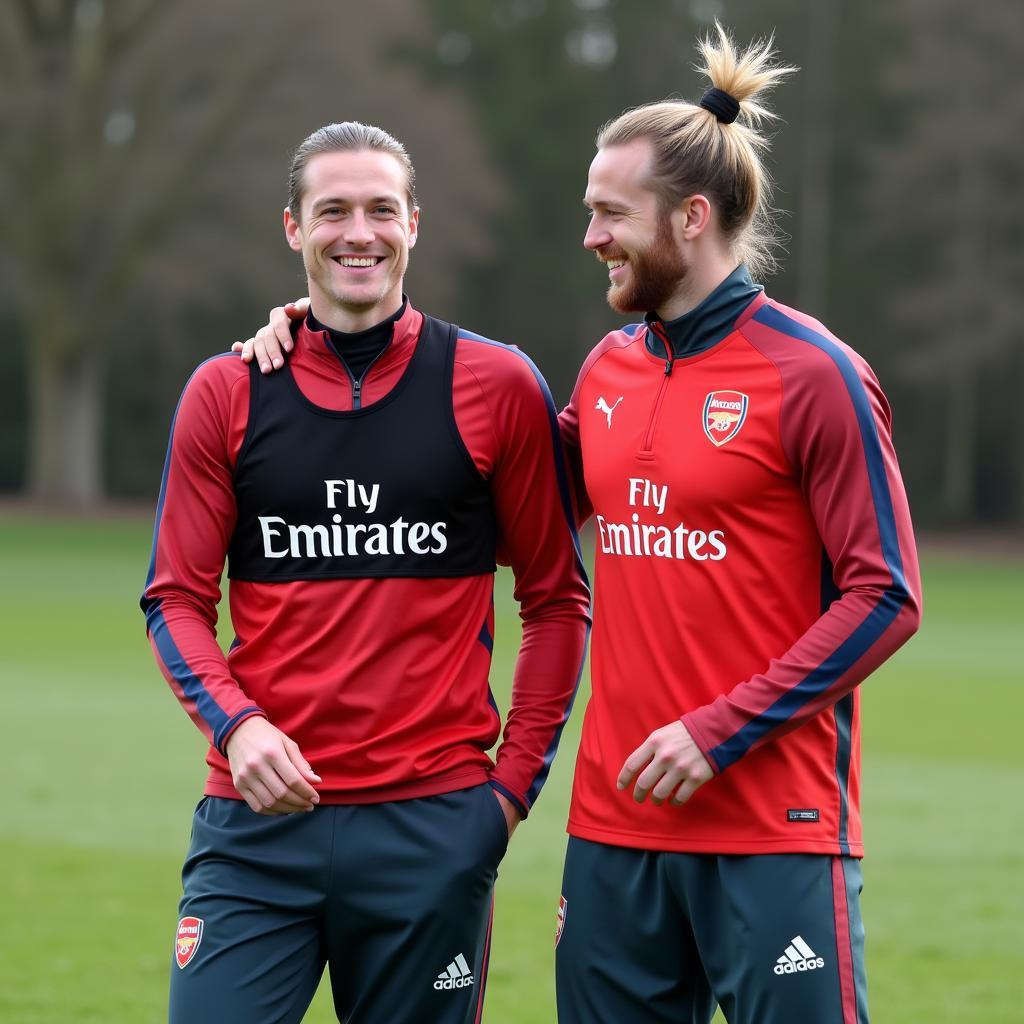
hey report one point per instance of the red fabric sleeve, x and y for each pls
(569, 428)
(194, 522)
(836, 432)
(569, 421)
(507, 420)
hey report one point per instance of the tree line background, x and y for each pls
(145, 153)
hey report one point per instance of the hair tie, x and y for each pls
(721, 104)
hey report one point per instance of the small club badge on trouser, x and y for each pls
(186, 942)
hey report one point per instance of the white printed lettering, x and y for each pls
(333, 488)
(648, 494)
(418, 533)
(310, 534)
(695, 544)
(377, 542)
(268, 534)
(437, 532)
(369, 498)
(637, 538)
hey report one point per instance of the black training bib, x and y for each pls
(386, 490)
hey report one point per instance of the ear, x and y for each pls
(292, 231)
(414, 225)
(692, 217)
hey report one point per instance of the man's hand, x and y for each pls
(512, 817)
(268, 769)
(675, 767)
(274, 338)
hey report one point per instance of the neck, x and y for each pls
(706, 272)
(328, 311)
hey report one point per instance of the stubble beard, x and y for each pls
(655, 274)
(351, 302)
(360, 304)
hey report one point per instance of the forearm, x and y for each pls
(188, 655)
(545, 683)
(856, 635)
(194, 521)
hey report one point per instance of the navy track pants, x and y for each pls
(659, 938)
(396, 898)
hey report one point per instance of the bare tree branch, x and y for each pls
(169, 193)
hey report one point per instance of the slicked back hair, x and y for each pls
(347, 137)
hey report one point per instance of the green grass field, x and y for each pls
(102, 770)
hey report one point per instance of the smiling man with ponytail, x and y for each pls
(754, 563)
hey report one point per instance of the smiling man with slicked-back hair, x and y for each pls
(352, 815)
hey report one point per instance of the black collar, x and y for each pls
(357, 350)
(707, 323)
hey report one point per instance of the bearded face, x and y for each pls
(631, 230)
(649, 276)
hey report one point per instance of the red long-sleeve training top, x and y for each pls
(754, 562)
(382, 682)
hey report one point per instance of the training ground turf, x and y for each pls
(101, 770)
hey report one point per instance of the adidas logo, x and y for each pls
(456, 975)
(798, 957)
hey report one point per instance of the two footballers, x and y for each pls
(714, 828)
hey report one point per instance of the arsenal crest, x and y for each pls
(562, 904)
(186, 942)
(724, 413)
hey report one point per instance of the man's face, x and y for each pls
(629, 231)
(355, 231)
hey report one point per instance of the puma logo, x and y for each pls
(602, 406)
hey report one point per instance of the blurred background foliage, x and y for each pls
(145, 152)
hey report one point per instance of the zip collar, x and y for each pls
(704, 326)
(316, 344)
(358, 350)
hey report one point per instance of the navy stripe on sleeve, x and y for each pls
(892, 600)
(882, 499)
(485, 638)
(191, 685)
